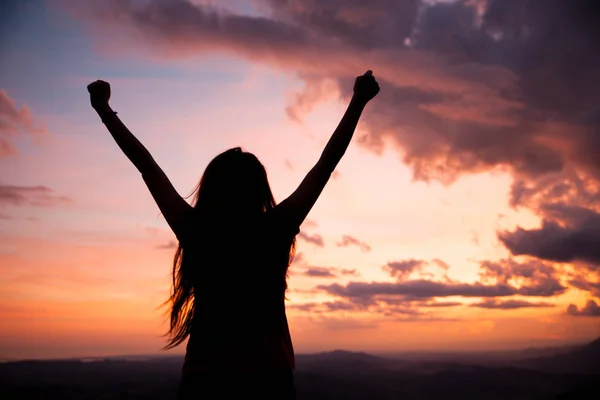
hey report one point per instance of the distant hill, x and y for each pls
(583, 359)
(339, 374)
(340, 361)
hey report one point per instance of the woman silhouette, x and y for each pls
(230, 268)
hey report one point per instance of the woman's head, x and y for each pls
(234, 182)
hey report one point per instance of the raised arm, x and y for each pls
(297, 206)
(171, 204)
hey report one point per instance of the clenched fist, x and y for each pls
(99, 94)
(366, 87)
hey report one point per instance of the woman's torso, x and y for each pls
(239, 318)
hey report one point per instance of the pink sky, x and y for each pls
(85, 257)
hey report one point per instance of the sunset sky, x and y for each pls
(465, 214)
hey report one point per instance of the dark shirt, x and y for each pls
(239, 278)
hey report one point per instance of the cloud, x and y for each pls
(402, 270)
(327, 306)
(319, 272)
(568, 234)
(324, 272)
(337, 307)
(404, 311)
(298, 260)
(348, 240)
(534, 278)
(591, 309)
(509, 122)
(425, 289)
(315, 91)
(438, 304)
(581, 283)
(501, 279)
(315, 239)
(466, 86)
(408, 297)
(510, 304)
(13, 122)
(31, 195)
(352, 272)
(180, 27)
(171, 245)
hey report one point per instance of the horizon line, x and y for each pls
(5, 360)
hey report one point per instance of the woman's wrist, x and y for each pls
(105, 112)
(103, 109)
(358, 101)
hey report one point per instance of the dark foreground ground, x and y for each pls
(572, 373)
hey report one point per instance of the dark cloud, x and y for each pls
(499, 280)
(581, 283)
(352, 272)
(591, 309)
(348, 240)
(438, 304)
(535, 278)
(424, 289)
(549, 39)
(380, 307)
(320, 272)
(377, 24)
(407, 298)
(328, 272)
(569, 234)
(510, 304)
(391, 308)
(315, 239)
(13, 122)
(403, 312)
(30, 195)
(402, 269)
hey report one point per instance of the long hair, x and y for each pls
(233, 185)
